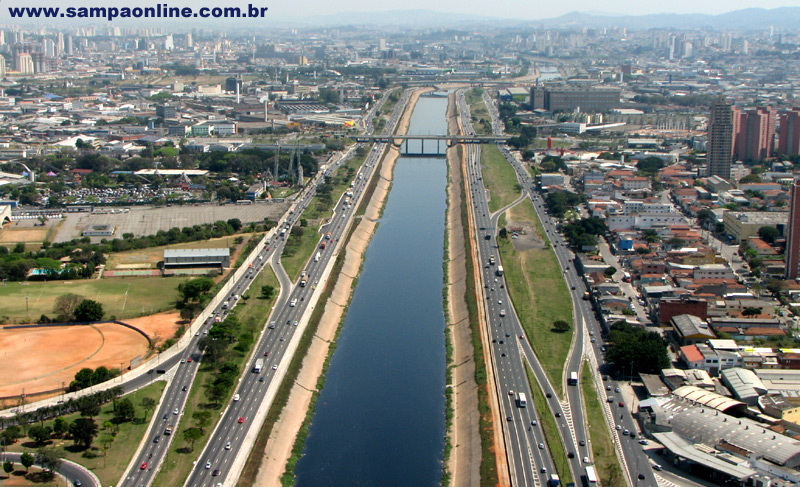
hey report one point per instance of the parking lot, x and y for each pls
(148, 220)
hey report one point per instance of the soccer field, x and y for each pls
(120, 297)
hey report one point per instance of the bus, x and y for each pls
(591, 477)
(522, 401)
(573, 379)
(244, 202)
(554, 480)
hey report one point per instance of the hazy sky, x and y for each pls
(522, 8)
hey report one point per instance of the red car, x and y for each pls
(144, 466)
(266, 354)
(189, 359)
(621, 404)
(241, 419)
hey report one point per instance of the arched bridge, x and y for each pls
(437, 142)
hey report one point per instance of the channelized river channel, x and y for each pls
(380, 418)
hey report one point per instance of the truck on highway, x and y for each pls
(586, 296)
(323, 244)
(303, 279)
(168, 430)
(554, 480)
(491, 260)
(499, 270)
(283, 232)
(573, 379)
(258, 366)
(225, 305)
(317, 257)
(522, 401)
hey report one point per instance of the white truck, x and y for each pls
(499, 270)
(317, 257)
(258, 366)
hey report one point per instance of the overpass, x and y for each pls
(402, 142)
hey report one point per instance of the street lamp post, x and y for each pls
(26, 308)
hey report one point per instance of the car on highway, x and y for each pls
(558, 414)
(533, 423)
(215, 473)
(241, 419)
(183, 360)
(155, 440)
(622, 404)
(208, 464)
(625, 432)
(643, 442)
(616, 389)
(261, 379)
(543, 470)
(658, 467)
(175, 411)
(275, 367)
(511, 392)
(619, 427)
(236, 397)
(144, 466)
(541, 446)
(549, 395)
(509, 418)
(641, 476)
(571, 455)
(189, 359)
(228, 445)
(610, 399)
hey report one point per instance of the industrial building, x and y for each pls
(568, 99)
(177, 258)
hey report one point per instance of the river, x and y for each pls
(380, 418)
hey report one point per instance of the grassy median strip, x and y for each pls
(550, 428)
(199, 411)
(302, 241)
(539, 294)
(448, 343)
(115, 444)
(499, 178)
(481, 120)
(488, 469)
(604, 455)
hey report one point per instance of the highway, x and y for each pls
(226, 450)
(529, 459)
(587, 344)
(76, 475)
(222, 458)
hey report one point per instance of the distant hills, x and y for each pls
(746, 19)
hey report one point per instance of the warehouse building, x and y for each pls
(178, 258)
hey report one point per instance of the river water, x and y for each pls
(380, 418)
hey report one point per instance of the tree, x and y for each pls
(267, 292)
(561, 325)
(8, 466)
(125, 410)
(148, 404)
(235, 223)
(83, 431)
(610, 271)
(634, 350)
(10, 435)
(89, 310)
(27, 460)
(201, 419)
(190, 435)
(65, 307)
(49, 459)
(769, 234)
(705, 217)
(751, 311)
(39, 434)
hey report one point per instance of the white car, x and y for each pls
(236, 397)
(228, 445)
(275, 367)
(175, 411)
(208, 464)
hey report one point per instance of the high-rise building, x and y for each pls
(793, 234)
(24, 63)
(722, 129)
(756, 134)
(789, 137)
(723, 126)
(68, 47)
(2, 67)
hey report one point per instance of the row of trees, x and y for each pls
(634, 350)
(87, 377)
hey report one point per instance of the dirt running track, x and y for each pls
(43, 358)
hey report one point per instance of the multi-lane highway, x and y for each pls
(218, 461)
(587, 344)
(233, 435)
(529, 459)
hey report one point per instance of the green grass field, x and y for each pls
(120, 297)
(551, 434)
(148, 258)
(539, 294)
(604, 455)
(110, 467)
(499, 178)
